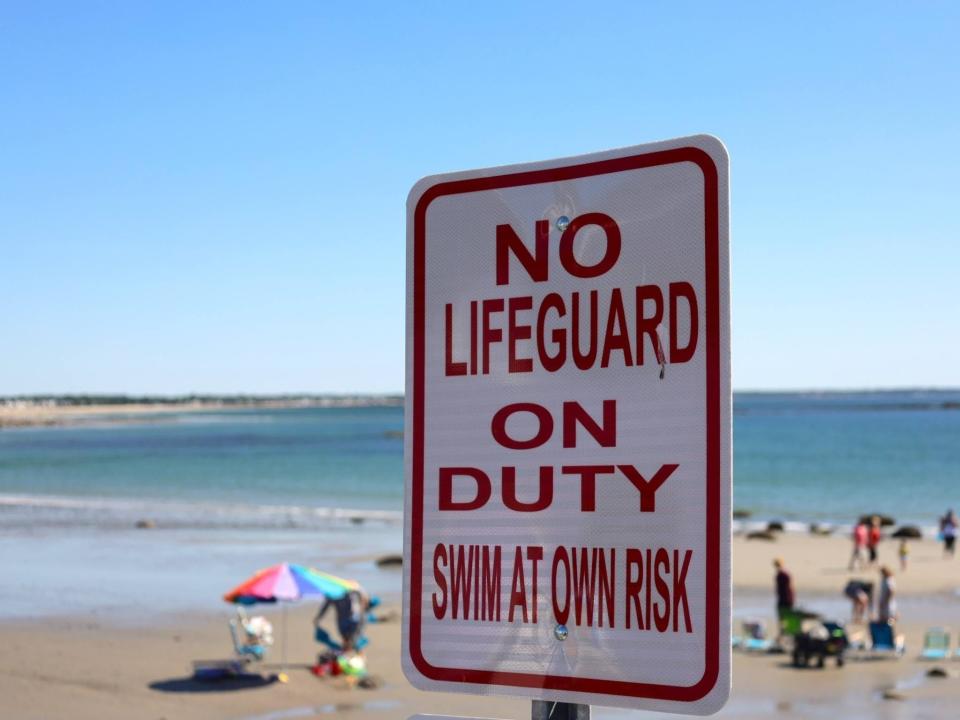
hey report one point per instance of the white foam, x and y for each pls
(93, 510)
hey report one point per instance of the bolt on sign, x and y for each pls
(568, 445)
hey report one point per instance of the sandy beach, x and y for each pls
(88, 666)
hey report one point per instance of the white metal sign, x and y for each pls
(568, 430)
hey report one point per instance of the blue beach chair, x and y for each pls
(884, 642)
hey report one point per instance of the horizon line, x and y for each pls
(397, 394)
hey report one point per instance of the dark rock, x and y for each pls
(908, 531)
(937, 672)
(761, 535)
(370, 682)
(356, 520)
(145, 524)
(892, 694)
(885, 520)
(818, 529)
(390, 561)
(775, 526)
(741, 514)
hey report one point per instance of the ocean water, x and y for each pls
(797, 456)
(231, 492)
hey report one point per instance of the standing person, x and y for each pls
(904, 553)
(873, 539)
(351, 611)
(886, 601)
(948, 532)
(859, 545)
(783, 585)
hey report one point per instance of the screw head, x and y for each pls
(560, 632)
(563, 222)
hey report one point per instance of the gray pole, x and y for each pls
(547, 710)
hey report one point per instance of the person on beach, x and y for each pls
(859, 545)
(351, 611)
(859, 593)
(873, 539)
(948, 533)
(886, 601)
(904, 552)
(783, 585)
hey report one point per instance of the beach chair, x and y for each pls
(754, 638)
(251, 636)
(884, 642)
(936, 644)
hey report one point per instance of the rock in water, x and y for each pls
(145, 524)
(390, 561)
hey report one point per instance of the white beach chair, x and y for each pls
(936, 644)
(251, 636)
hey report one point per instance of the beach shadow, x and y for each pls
(227, 684)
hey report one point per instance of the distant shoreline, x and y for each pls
(25, 411)
(56, 411)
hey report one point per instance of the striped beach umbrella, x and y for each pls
(289, 582)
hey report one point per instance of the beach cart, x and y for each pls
(792, 621)
(819, 642)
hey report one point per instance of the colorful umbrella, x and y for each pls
(289, 582)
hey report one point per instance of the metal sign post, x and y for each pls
(546, 710)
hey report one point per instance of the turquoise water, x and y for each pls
(796, 456)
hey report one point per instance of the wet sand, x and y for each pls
(88, 667)
(80, 669)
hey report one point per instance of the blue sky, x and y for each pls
(210, 197)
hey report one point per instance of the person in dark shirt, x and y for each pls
(784, 588)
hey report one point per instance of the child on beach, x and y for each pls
(904, 552)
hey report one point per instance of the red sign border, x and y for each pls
(707, 682)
